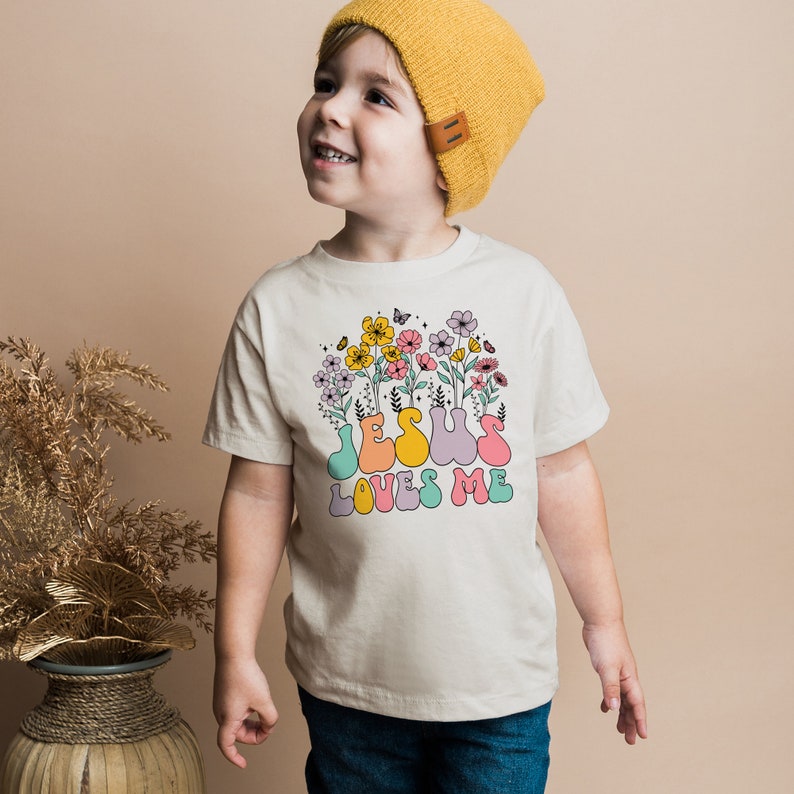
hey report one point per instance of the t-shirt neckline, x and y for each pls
(330, 267)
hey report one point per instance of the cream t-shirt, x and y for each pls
(412, 399)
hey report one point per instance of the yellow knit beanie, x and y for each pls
(473, 76)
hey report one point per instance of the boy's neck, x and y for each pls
(361, 240)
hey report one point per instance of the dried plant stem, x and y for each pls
(57, 504)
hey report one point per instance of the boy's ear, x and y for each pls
(441, 181)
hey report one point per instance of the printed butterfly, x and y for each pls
(488, 346)
(342, 344)
(400, 317)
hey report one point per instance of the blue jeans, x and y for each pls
(356, 752)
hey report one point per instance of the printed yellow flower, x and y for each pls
(358, 357)
(377, 332)
(392, 353)
(458, 355)
(474, 345)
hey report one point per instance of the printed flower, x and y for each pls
(486, 365)
(358, 357)
(477, 382)
(332, 363)
(426, 363)
(330, 396)
(462, 323)
(392, 353)
(344, 380)
(441, 343)
(409, 341)
(377, 332)
(321, 379)
(458, 355)
(397, 369)
(500, 378)
(474, 345)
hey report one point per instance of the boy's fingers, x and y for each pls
(258, 725)
(226, 742)
(610, 682)
(632, 720)
(254, 729)
(636, 703)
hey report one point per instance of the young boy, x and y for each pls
(422, 394)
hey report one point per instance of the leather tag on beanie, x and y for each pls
(448, 133)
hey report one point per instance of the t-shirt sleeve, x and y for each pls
(243, 418)
(569, 405)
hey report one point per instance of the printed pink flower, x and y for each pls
(426, 362)
(477, 382)
(500, 378)
(409, 341)
(486, 365)
(397, 369)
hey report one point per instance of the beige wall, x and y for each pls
(148, 173)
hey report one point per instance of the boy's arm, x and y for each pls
(255, 517)
(572, 515)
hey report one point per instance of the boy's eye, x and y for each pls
(322, 85)
(377, 98)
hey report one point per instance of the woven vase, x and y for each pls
(103, 731)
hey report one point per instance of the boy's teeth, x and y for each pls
(333, 156)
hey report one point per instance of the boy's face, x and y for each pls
(362, 136)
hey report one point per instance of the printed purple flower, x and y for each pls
(426, 362)
(441, 343)
(486, 365)
(409, 341)
(477, 382)
(322, 379)
(344, 379)
(500, 378)
(397, 369)
(462, 323)
(332, 363)
(330, 396)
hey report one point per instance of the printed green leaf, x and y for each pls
(471, 364)
(444, 379)
(458, 375)
(421, 385)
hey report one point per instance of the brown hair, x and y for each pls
(343, 37)
(338, 40)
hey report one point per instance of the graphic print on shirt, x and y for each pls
(419, 416)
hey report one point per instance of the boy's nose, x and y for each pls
(334, 110)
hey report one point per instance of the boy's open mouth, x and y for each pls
(333, 156)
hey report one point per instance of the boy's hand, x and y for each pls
(614, 662)
(243, 707)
